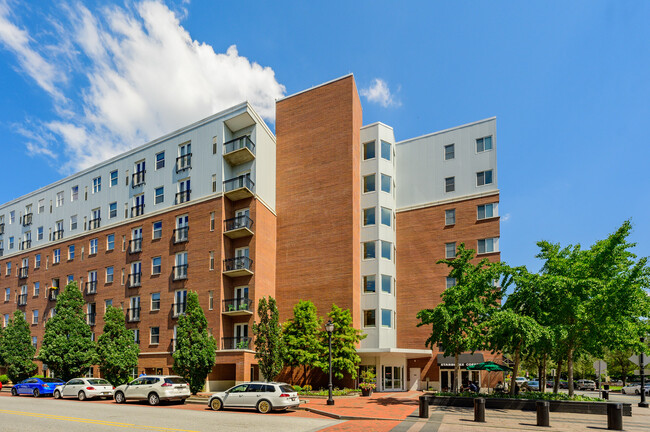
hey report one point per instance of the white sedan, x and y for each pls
(85, 388)
(634, 388)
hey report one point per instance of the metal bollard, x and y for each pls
(424, 407)
(605, 386)
(479, 410)
(605, 394)
(543, 417)
(615, 416)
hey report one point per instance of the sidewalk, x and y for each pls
(379, 406)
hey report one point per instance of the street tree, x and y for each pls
(269, 343)
(345, 339)
(117, 351)
(302, 338)
(195, 349)
(17, 349)
(457, 322)
(619, 364)
(67, 347)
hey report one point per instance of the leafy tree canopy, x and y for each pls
(302, 337)
(17, 349)
(116, 348)
(270, 348)
(345, 339)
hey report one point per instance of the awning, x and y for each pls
(465, 359)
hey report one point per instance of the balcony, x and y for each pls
(133, 314)
(25, 244)
(137, 179)
(137, 210)
(239, 187)
(181, 234)
(183, 162)
(239, 226)
(178, 309)
(239, 150)
(182, 197)
(53, 294)
(238, 266)
(237, 307)
(135, 245)
(22, 272)
(236, 343)
(22, 299)
(2, 228)
(180, 272)
(27, 219)
(57, 234)
(94, 223)
(91, 287)
(90, 318)
(135, 280)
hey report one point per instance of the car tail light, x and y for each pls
(166, 385)
(90, 388)
(285, 395)
(113, 387)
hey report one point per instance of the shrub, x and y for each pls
(4, 379)
(526, 395)
(307, 388)
(297, 388)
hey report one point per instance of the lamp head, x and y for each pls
(329, 327)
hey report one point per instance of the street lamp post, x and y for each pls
(643, 403)
(329, 327)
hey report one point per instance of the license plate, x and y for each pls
(106, 393)
(293, 398)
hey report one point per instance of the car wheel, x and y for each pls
(181, 402)
(57, 395)
(119, 398)
(14, 392)
(36, 393)
(636, 392)
(216, 404)
(264, 406)
(153, 399)
(81, 396)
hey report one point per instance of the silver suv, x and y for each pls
(586, 385)
(154, 388)
(264, 396)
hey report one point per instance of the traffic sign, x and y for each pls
(600, 366)
(635, 359)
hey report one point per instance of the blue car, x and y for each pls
(36, 386)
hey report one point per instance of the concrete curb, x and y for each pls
(345, 417)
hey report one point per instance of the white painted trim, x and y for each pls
(449, 201)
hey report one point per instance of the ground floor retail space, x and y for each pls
(390, 366)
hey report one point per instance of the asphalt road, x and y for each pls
(46, 414)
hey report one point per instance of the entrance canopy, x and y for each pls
(464, 360)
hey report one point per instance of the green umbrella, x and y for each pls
(489, 366)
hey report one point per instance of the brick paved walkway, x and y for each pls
(393, 406)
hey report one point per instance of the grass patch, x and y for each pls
(527, 395)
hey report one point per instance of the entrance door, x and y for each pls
(414, 379)
(241, 297)
(392, 378)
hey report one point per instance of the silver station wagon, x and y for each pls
(263, 396)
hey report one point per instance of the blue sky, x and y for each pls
(567, 81)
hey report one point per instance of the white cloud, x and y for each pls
(144, 76)
(505, 217)
(378, 92)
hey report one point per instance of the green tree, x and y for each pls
(302, 338)
(457, 322)
(116, 348)
(195, 347)
(17, 349)
(2, 354)
(345, 339)
(269, 343)
(67, 347)
(619, 364)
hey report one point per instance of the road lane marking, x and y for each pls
(91, 421)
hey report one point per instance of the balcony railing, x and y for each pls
(137, 179)
(91, 287)
(94, 223)
(239, 306)
(183, 196)
(135, 245)
(235, 343)
(181, 234)
(22, 272)
(238, 266)
(53, 294)
(180, 272)
(135, 280)
(2, 228)
(22, 299)
(239, 226)
(239, 150)
(27, 219)
(184, 162)
(239, 187)
(57, 234)
(133, 314)
(25, 244)
(90, 318)
(137, 210)
(178, 309)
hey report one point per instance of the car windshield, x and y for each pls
(175, 380)
(98, 381)
(51, 380)
(287, 389)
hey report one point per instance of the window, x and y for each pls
(369, 250)
(450, 217)
(71, 252)
(34, 341)
(385, 150)
(41, 206)
(486, 211)
(107, 303)
(386, 248)
(369, 318)
(37, 289)
(155, 301)
(488, 245)
(211, 221)
(160, 160)
(70, 278)
(97, 184)
(369, 183)
(369, 216)
(57, 256)
(484, 178)
(159, 195)
(369, 150)
(211, 266)
(385, 183)
(110, 242)
(59, 199)
(93, 247)
(7, 294)
(451, 282)
(450, 250)
(386, 216)
(210, 300)
(156, 265)
(484, 144)
(157, 230)
(184, 191)
(12, 217)
(386, 315)
(112, 210)
(109, 274)
(113, 178)
(386, 282)
(450, 152)
(369, 284)
(6, 320)
(74, 193)
(37, 261)
(73, 222)
(11, 242)
(154, 335)
(214, 183)
(39, 233)
(35, 316)
(450, 184)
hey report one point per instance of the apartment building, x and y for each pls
(326, 210)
